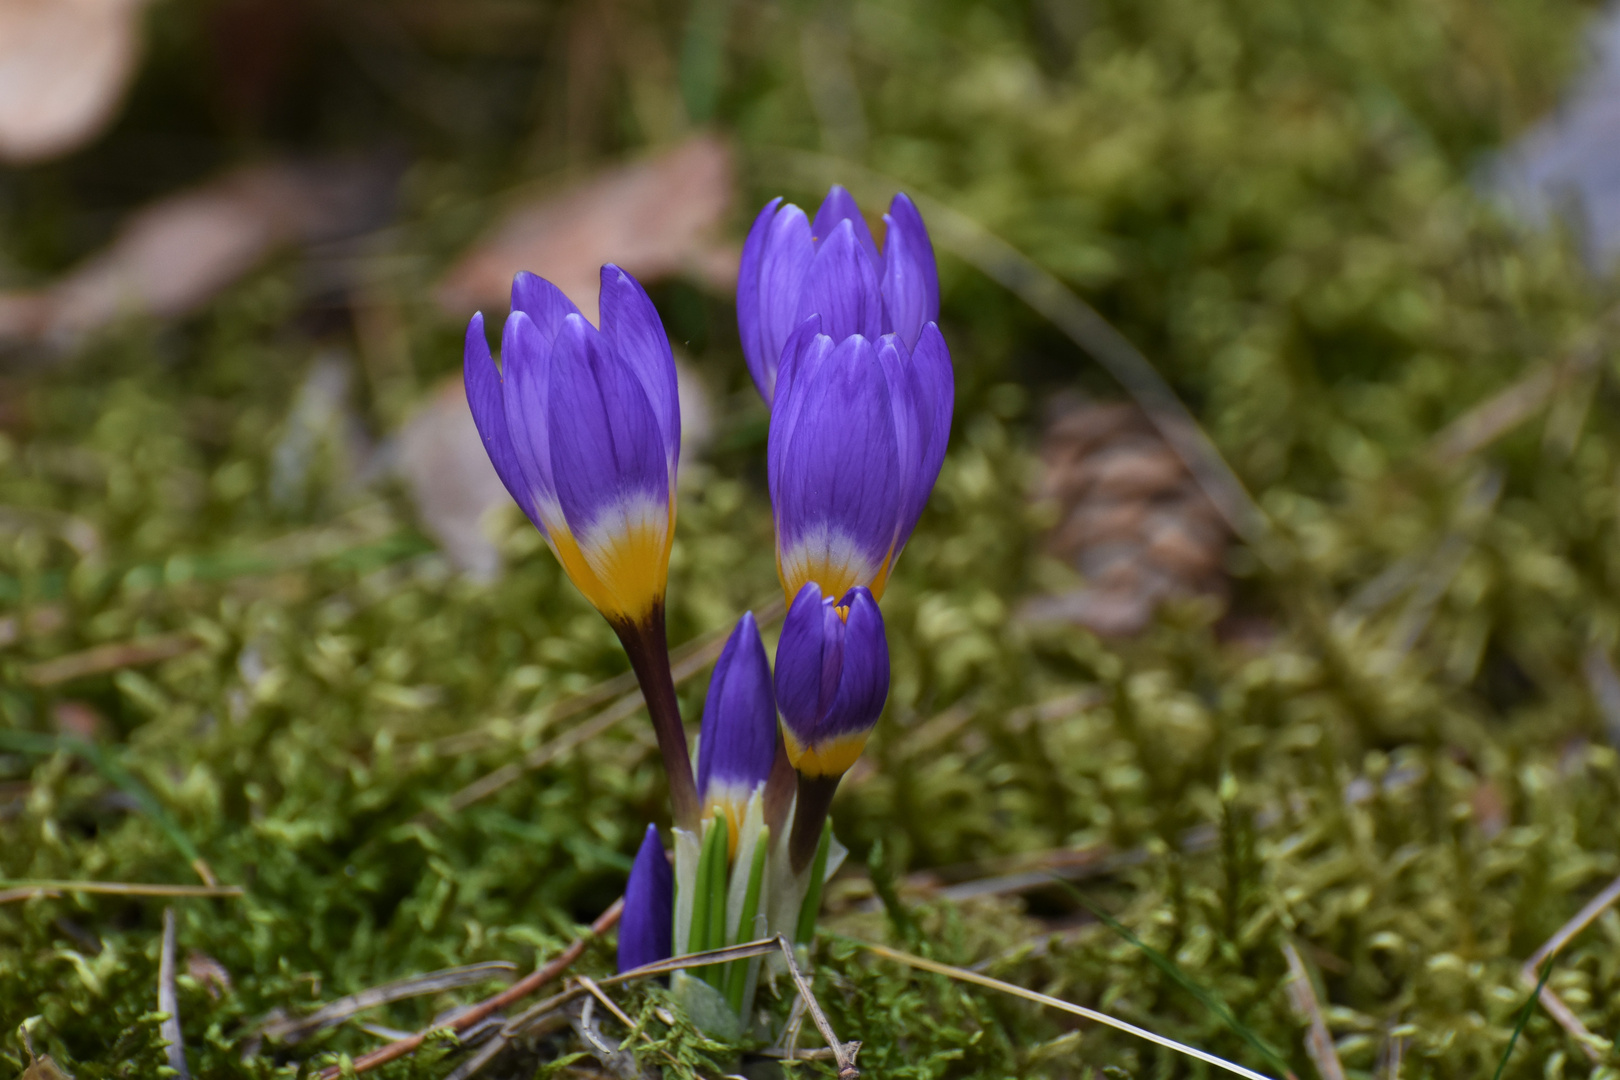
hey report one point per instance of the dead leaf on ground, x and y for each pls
(174, 255)
(64, 67)
(1133, 521)
(656, 217)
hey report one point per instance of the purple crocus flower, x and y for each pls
(857, 437)
(646, 927)
(584, 429)
(739, 736)
(793, 268)
(832, 677)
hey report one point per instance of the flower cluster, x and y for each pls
(583, 427)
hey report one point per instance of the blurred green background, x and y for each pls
(259, 607)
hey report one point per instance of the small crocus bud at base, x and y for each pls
(738, 744)
(649, 906)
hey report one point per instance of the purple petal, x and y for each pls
(526, 387)
(784, 261)
(738, 746)
(633, 330)
(863, 683)
(838, 206)
(799, 663)
(802, 339)
(833, 460)
(748, 297)
(910, 275)
(542, 302)
(646, 927)
(607, 452)
(842, 287)
(933, 395)
(488, 408)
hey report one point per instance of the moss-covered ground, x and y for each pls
(1389, 754)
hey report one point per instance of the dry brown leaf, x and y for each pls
(174, 255)
(451, 480)
(655, 217)
(64, 67)
(1131, 520)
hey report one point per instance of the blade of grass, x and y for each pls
(1523, 1018)
(1182, 979)
(964, 975)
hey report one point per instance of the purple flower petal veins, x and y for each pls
(738, 743)
(857, 437)
(832, 678)
(583, 427)
(646, 929)
(857, 289)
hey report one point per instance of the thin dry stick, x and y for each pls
(123, 888)
(168, 1001)
(1530, 974)
(1019, 274)
(1508, 408)
(293, 1029)
(608, 1003)
(10, 896)
(486, 1054)
(105, 658)
(1390, 1057)
(1302, 997)
(1604, 682)
(963, 975)
(490, 1005)
(843, 1053)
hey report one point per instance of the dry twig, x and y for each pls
(294, 1029)
(490, 1005)
(168, 1001)
(1508, 408)
(114, 888)
(964, 975)
(1302, 998)
(1530, 974)
(105, 658)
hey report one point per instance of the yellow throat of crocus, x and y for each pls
(622, 563)
(828, 758)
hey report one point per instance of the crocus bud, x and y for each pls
(738, 742)
(832, 677)
(649, 906)
(584, 429)
(793, 268)
(857, 436)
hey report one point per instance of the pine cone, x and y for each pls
(1131, 520)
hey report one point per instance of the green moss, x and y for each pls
(1273, 199)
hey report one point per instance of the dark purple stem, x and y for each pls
(648, 648)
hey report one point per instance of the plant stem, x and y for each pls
(815, 797)
(648, 649)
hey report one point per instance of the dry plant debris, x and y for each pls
(1131, 520)
(64, 67)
